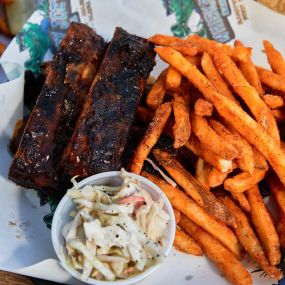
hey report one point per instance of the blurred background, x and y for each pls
(13, 14)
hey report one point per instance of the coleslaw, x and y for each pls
(116, 231)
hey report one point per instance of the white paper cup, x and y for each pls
(66, 205)
(11, 98)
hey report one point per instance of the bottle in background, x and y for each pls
(17, 12)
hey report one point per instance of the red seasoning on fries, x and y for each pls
(229, 149)
(150, 138)
(274, 58)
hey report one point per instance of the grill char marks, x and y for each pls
(101, 133)
(59, 104)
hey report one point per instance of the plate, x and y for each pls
(25, 241)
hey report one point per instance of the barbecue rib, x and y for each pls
(58, 106)
(101, 133)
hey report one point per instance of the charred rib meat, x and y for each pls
(58, 106)
(101, 133)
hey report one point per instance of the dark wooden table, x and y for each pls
(15, 279)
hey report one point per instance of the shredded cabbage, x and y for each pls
(116, 231)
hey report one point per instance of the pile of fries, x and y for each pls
(213, 101)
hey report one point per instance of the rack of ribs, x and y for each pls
(58, 106)
(101, 133)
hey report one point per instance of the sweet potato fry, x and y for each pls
(202, 172)
(244, 180)
(273, 101)
(246, 159)
(182, 125)
(248, 93)
(242, 201)
(193, 188)
(230, 111)
(271, 79)
(211, 139)
(144, 115)
(198, 149)
(177, 215)
(203, 108)
(214, 77)
(279, 115)
(274, 58)
(173, 79)
(164, 40)
(277, 190)
(151, 136)
(223, 258)
(249, 241)
(264, 225)
(185, 243)
(249, 72)
(189, 208)
(156, 94)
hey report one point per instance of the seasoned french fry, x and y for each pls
(274, 58)
(156, 94)
(189, 208)
(164, 40)
(244, 180)
(193, 188)
(202, 172)
(214, 77)
(216, 177)
(185, 243)
(195, 60)
(277, 190)
(273, 101)
(264, 226)
(144, 115)
(151, 136)
(249, 72)
(173, 79)
(211, 139)
(259, 160)
(182, 125)
(206, 45)
(248, 93)
(198, 149)
(203, 108)
(246, 159)
(177, 215)
(224, 259)
(242, 201)
(193, 145)
(230, 111)
(187, 49)
(280, 228)
(271, 79)
(249, 241)
(279, 115)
